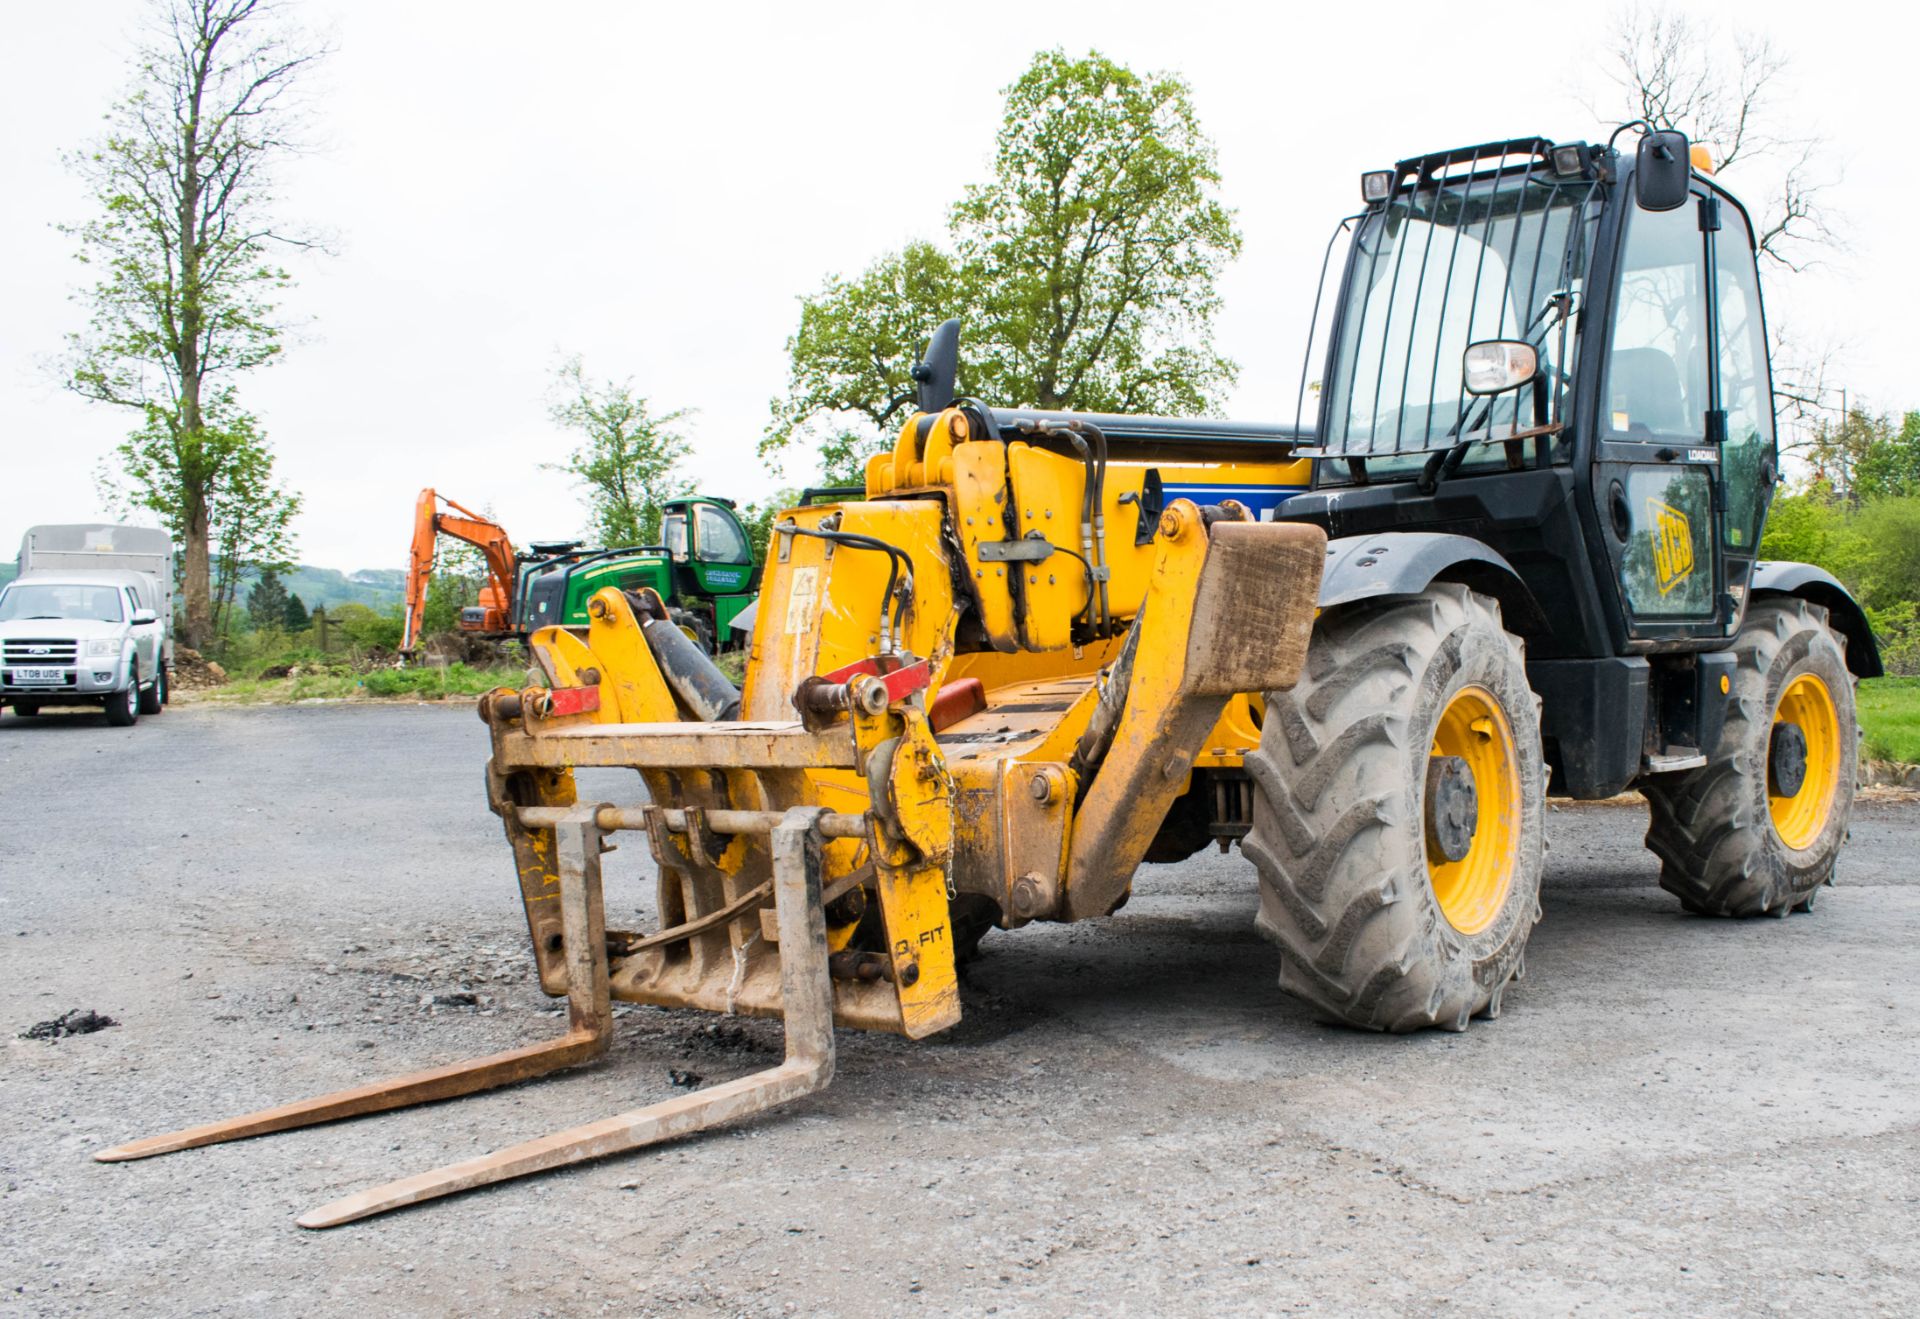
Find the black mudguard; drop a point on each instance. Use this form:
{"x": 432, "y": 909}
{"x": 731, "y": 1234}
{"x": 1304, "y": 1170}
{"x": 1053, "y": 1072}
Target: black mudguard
{"x": 1408, "y": 562}
{"x": 1818, "y": 586}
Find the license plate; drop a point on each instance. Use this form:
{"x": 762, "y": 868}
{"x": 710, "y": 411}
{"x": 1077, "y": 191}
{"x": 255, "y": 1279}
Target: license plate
{"x": 39, "y": 675}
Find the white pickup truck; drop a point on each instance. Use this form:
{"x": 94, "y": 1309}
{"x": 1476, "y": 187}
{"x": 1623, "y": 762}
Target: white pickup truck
{"x": 89, "y": 621}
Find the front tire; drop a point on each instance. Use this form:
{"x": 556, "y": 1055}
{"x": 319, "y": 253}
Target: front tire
{"x": 1390, "y": 916}
{"x": 26, "y": 709}
{"x": 1758, "y": 829}
{"x": 123, "y": 707}
{"x": 155, "y": 696}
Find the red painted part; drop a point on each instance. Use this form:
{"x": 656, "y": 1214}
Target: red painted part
{"x": 956, "y": 701}
{"x": 901, "y": 682}
{"x": 573, "y": 700}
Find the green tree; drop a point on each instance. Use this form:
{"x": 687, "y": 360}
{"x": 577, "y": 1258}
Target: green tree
{"x": 248, "y": 517}
{"x": 1085, "y": 269}
{"x": 267, "y": 603}
{"x": 297, "y": 618}
{"x": 627, "y": 457}
{"x": 183, "y": 250}
{"x": 1891, "y": 463}
{"x": 1803, "y": 527}
{"x": 757, "y": 519}
{"x": 459, "y": 570}
{"x": 1843, "y": 454}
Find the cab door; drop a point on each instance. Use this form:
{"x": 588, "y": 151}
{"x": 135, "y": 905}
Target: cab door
{"x": 1743, "y": 390}
{"x": 1657, "y": 470}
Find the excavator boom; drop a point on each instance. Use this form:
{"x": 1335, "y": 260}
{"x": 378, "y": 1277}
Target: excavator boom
{"x": 463, "y": 524}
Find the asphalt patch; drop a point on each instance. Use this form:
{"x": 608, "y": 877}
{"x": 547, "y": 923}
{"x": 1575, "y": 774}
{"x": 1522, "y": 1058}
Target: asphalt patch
{"x": 80, "y": 1021}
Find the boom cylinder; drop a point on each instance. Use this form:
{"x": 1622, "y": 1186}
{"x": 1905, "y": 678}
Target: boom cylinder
{"x": 696, "y": 681}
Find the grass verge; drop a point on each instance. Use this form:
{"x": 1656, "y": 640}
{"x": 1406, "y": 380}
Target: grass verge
{"x": 1890, "y": 719}
{"x": 426, "y": 683}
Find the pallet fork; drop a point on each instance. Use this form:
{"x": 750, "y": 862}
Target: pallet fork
{"x": 795, "y": 837}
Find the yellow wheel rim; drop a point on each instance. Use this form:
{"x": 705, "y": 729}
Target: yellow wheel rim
{"x": 1801, "y": 818}
{"x": 1470, "y": 891}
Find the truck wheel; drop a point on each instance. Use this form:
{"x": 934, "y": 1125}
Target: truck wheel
{"x": 1398, "y": 814}
{"x": 123, "y": 708}
{"x": 1759, "y": 827}
{"x": 155, "y": 695}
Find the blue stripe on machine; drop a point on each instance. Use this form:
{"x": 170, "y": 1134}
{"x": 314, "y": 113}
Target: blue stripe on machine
{"x": 1261, "y": 500}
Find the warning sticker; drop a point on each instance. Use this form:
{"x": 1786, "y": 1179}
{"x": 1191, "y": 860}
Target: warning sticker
{"x": 802, "y": 601}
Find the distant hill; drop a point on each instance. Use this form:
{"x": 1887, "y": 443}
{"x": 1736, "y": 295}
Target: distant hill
{"x": 376, "y": 588}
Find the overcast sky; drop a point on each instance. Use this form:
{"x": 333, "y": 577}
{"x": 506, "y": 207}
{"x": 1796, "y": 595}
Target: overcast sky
{"x": 654, "y": 185}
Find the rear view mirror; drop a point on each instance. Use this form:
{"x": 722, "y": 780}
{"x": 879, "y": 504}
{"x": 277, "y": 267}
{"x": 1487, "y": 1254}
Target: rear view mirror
{"x": 145, "y": 616}
{"x": 1662, "y": 171}
{"x": 1493, "y": 366}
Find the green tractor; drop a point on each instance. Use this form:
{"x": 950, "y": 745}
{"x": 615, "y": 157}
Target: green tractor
{"x": 704, "y": 572}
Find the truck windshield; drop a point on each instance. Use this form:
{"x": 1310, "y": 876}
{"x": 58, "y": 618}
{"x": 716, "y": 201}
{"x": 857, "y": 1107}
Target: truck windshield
{"x": 1440, "y": 266}
{"x": 52, "y": 600}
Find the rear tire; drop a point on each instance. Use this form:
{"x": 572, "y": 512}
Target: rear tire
{"x": 123, "y": 707}
{"x": 1728, "y": 845}
{"x": 1376, "y": 928}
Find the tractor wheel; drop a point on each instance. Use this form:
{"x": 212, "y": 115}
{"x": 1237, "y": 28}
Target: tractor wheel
{"x": 1758, "y": 829}
{"x": 1398, "y": 814}
{"x": 694, "y": 627}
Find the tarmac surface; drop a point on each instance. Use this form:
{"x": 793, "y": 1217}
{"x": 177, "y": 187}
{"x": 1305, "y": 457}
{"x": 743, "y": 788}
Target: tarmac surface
{"x": 1674, "y": 1115}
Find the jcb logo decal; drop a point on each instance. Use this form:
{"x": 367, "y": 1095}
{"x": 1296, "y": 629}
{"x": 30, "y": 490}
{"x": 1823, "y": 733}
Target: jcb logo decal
{"x": 1672, "y": 537}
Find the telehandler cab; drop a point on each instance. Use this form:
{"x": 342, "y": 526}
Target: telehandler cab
{"x": 1515, "y": 554}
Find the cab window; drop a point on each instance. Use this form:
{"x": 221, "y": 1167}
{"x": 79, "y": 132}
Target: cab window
{"x": 1746, "y": 392}
{"x": 673, "y": 530}
{"x": 1657, "y": 370}
{"x": 720, "y": 538}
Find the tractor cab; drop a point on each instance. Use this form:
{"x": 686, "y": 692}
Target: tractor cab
{"x": 1546, "y": 377}
{"x": 1559, "y": 350}
{"x": 709, "y": 547}
{"x": 714, "y": 574}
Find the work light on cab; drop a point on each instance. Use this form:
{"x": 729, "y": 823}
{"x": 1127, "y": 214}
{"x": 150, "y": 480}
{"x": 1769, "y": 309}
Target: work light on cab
{"x": 1570, "y": 160}
{"x": 1376, "y": 186}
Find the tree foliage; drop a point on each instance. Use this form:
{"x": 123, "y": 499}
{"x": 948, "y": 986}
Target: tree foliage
{"x": 1085, "y": 270}
{"x": 627, "y": 459}
{"x": 297, "y": 619}
{"x": 183, "y": 250}
{"x": 267, "y": 603}
{"x": 1863, "y": 456}
{"x": 247, "y": 517}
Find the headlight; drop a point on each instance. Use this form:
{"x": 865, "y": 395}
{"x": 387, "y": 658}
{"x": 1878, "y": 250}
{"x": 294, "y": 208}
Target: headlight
{"x": 103, "y": 647}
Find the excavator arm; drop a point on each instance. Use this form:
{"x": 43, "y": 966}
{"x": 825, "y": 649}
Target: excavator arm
{"x": 429, "y": 524}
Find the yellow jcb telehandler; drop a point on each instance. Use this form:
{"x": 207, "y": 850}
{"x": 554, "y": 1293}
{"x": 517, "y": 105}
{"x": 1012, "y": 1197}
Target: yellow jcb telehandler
{"x": 1516, "y": 554}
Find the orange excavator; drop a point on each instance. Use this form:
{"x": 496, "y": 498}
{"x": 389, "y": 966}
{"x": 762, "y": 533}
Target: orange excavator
{"x": 493, "y": 615}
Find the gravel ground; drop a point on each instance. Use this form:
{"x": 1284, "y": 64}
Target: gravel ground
{"x": 1674, "y": 1115}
